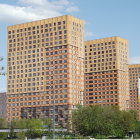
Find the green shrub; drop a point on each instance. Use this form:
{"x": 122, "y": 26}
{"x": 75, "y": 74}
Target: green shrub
{"x": 3, "y": 136}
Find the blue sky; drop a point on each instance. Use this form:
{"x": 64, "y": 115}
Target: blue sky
{"x": 103, "y": 18}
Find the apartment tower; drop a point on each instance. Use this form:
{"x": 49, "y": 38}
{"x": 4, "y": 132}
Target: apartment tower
{"x": 45, "y": 67}
{"x": 106, "y": 72}
{"x": 134, "y": 76}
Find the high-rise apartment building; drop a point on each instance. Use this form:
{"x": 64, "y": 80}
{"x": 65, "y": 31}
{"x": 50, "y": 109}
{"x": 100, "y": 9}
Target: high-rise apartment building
{"x": 134, "y": 76}
{"x": 45, "y": 66}
{"x": 106, "y": 72}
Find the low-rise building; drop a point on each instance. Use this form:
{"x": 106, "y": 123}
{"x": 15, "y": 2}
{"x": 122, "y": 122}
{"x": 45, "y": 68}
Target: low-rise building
{"x": 2, "y": 104}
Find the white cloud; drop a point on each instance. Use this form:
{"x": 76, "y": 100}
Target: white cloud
{"x": 90, "y": 34}
{"x": 2, "y": 90}
{"x": 72, "y": 9}
{"x": 62, "y": 2}
{"x": 32, "y": 2}
{"x": 29, "y": 10}
{"x": 134, "y": 60}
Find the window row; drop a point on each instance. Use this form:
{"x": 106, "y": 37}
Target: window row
{"x": 102, "y": 68}
{"x": 100, "y": 89}
{"x": 34, "y": 93}
{"x": 37, "y": 98}
{"x": 104, "y": 101}
{"x": 101, "y": 44}
{"x": 102, "y": 97}
{"x": 36, "y": 33}
{"x": 38, "y": 27}
{"x": 37, "y": 103}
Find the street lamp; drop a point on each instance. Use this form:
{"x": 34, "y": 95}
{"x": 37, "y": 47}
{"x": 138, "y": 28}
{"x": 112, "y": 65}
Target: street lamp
{"x": 51, "y": 87}
{"x": 81, "y": 92}
{"x": 53, "y": 116}
{"x": 82, "y": 97}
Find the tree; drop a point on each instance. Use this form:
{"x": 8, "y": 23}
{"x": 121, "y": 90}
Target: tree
{"x": 33, "y": 126}
{"x": 138, "y": 128}
{"x": 2, "y": 72}
{"x": 12, "y": 127}
{"x": 47, "y": 123}
{"x": 102, "y": 121}
{"x": 2, "y": 123}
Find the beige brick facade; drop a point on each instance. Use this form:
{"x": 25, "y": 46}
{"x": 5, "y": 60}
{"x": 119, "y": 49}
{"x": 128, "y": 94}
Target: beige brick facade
{"x": 45, "y": 63}
{"x": 134, "y": 76}
{"x": 106, "y": 72}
